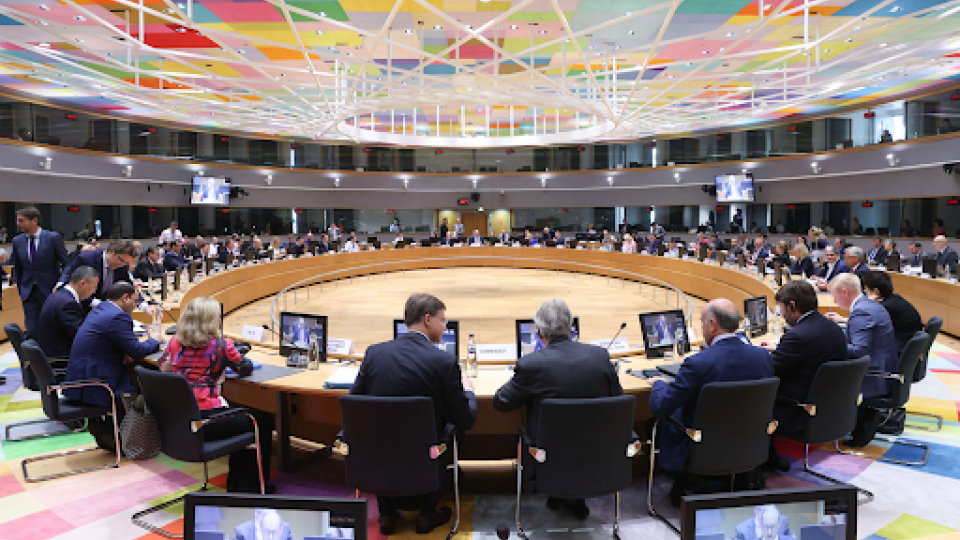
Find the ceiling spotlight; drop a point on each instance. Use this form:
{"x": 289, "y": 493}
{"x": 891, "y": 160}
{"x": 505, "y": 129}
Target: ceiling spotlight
{"x": 514, "y": 27}
{"x": 893, "y": 160}
{"x": 200, "y": 173}
{"x": 610, "y": 180}
{"x": 127, "y": 171}
{"x": 677, "y": 178}
{"x": 336, "y": 182}
{"x": 46, "y": 163}
{"x": 437, "y": 27}
{"x": 543, "y": 182}
{"x": 474, "y": 183}
{"x": 815, "y": 166}
{"x": 706, "y": 52}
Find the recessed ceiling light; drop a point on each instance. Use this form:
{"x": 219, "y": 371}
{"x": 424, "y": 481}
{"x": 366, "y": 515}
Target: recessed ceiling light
{"x": 630, "y": 32}
{"x": 646, "y": 87}
{"x": 514, "y": 27}
{"x": 437, "y": 27}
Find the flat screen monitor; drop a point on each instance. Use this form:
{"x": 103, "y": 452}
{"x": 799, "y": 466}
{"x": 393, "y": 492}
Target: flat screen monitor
{"x": 224, "y": 516}
{"x": 450, "y": 342}
{"x": 528, "y": 340}
{"x": 755, "y": 310}
{"x": 734, "y": 187}
{"x": 210, "y": 190}
{"x": 811, "y": 513}
{"x": 893, "y": 262}
{"x": 661, "y": 329}
{"x": 297, "y": 329}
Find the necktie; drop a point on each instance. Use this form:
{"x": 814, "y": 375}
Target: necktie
{"x": 33, "y": 248}
{"x": 108, "y": 278}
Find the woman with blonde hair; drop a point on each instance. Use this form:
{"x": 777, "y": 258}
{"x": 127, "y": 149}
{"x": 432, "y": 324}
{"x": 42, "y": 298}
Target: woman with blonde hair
{"x": 803, "y": 265}
{"x": 201, "y": 354}
{"x": 629, "y": 245}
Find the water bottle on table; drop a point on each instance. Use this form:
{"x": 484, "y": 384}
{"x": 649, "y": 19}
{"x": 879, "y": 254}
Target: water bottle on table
{"x": 472, "y": 368}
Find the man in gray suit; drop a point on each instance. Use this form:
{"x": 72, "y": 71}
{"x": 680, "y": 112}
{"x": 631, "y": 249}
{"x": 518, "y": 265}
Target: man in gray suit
{"x": 766, "y": 524}
{"x": 869, "y": 332}
{"x": 265, "y": 525}
{"x": 564, "y": 369}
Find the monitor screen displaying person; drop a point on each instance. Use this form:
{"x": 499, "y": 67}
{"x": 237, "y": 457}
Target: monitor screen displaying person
{"x": 755, "y": 310}
{"x": 223, "y": 523}
{"x": 809, "y": 520}
{"x": 298, "y": 331}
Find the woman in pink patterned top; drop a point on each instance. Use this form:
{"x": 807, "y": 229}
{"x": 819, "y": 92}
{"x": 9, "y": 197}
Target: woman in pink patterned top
{"x": 201, "y": 354}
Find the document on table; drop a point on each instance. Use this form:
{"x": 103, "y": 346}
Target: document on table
{"x": 342, "y": 378}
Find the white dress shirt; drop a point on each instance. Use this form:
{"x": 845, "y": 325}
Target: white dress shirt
{"x": 169, "y": 236}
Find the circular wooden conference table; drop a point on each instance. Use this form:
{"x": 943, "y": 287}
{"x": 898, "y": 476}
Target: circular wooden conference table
{"x": 307, "y": 410}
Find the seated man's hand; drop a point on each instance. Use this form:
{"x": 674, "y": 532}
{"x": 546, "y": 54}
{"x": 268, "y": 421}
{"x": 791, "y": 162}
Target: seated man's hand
{"x": 835, "y": 317}
{"x": 653, "y": 380}
{"x": 467, "y": 383}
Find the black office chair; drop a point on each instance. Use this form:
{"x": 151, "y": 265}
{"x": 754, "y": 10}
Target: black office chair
{"x": 16, "y": 336}
{"x": 391, "y": 447}
{"x": 174, "y": 407}
{"x": 932, "y": 329}
{"x": 830, "y": 409}
{"x": 64, "y": 410}
{"x": 898, "y": 397}
{"x": 584, "y": 449}
{"x": 731, "y": 432}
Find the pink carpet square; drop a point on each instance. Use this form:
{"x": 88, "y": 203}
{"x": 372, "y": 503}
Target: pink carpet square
{"x": 9, "y": 485}
{"x": 36, "y": 526}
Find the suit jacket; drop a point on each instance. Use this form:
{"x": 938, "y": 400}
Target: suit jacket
{"x": 103, "y": 340}
{"x": 802, "y": 349}
{"x": 94, "y": 259}
{"x": 913, "y": 259}
{"x": 563, "y": 369}
{"x": 839, "y": 268}
{"x": 173, "y": 260}
{"x": 870, "y": 332}
{"x": 412, "y": 366}
{"x": 726, "y": 360}
{"x": 476, "y": 240}
{"x": 748, "y": 529}
{"x": 947, "y": 259}
{"x": 147, "y": 270}
{"x": 860, "y": 270}
{"x": 247, "y": 531}
{"x": 803, "y": 267}
{"x": 878, "y": 255}
{"x": 759, "y": 255}
{"x": 904, "y": 317}
{"x": 59, "y": 321}
{"x": 42, "y": 272}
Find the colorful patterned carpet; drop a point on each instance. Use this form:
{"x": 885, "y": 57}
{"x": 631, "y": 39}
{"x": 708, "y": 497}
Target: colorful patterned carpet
{"x": 911, "y": 502}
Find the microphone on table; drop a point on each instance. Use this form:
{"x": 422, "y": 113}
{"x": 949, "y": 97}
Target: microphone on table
{"x": 173, "y": 329}
{"x": 503, "y": 531}
{"x": 267, "y": 328}
{"x": 622, "y": 326}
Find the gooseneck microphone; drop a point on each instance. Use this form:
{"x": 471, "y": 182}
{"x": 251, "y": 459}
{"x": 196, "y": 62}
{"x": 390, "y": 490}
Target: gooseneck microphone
{"x": 503, "y": 531}
{"x": 267, "y": 328}
{"x": 622, "y": 326}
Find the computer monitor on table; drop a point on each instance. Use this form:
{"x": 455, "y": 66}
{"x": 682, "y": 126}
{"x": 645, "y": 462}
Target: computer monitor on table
{"x": 528, "y": 340}
{"x": 893, "y": 262}
{"x": 449, "y": 342}
{"x": 219, "y": 516}
{"x": 809, "y": 513}
{"x": 661, "y": 329}
{"x": 297, "y": 330}
{"x": 755, "y": 311}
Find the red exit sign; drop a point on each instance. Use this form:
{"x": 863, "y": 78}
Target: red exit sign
{"x": 71, "y": 117}
{"x": 953, "y": 201}
{"x": 867, "y": 205}
{"x": 463, "y": 202}
{"x": 73, "y": 209}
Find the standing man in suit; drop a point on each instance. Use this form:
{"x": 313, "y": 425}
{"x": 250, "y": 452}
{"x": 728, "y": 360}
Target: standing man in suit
{"x": 869, "y": 332}
{"x": 102, "y": 350}
{"x": 62, "y": 313}
{"x": 170, "y": 234}
{"x": 444, "y": 228}
{"x": 412, "y": 365}
{"x": 726, "y": 359}
{"x": 149, "y": 267}
{"x": 664, "y": 332}
{"x": 946, "y": 256}
{"x": 563, "y": 369}
{"x": 811, "y": 340}
{"x": 38, "y": 257}
{"x": 112, "y": 265}
{"x": 832, "y": 267}
{"x": 878, "y": 253}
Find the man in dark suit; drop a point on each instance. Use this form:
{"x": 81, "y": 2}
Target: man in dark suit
{"x": 760, "y": 251}
{"x": 726, "y": 359}
{"x": 652, "y": 244}
{"x": 412, "y": 365}
{"x": 878, "y": 253}
{"x": 563, "y": 369}
{"x": 149, "y": 267}
{"x": 811, "y": 340}
{"x": 946, "y": 256}
{"x": 323, "y": 245}
{"x": 856, "y": 260}
{"x": 112, "y": 265}
{"x": 832, "y": 267}
{"x": 735, "y": 248}
{"x": 62, "y": 313}
{"x": 915, "y": 258}
{"x": 870, "y": 333}
{"x": 101, "y": 350}
{"x": 38, "y": 257}
{"x": 173, "y": 259}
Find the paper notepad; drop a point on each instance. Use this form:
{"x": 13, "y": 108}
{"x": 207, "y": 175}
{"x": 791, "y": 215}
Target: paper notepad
{"x": 342, "y": 378}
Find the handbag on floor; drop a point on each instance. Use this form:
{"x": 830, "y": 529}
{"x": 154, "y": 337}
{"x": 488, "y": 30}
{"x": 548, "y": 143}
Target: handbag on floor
{"x": 139, "y": 433}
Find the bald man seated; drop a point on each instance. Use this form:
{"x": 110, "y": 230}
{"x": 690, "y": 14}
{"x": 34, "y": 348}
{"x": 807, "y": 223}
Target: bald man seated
{"x": 726, "y": 359}
{"x": 266, "y": 525}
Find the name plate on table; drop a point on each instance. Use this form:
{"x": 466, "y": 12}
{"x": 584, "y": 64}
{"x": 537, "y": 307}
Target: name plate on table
{"x": 504, "y": 351}
{"x": 560, "y": 246}
{"x": 252, "y": 333}
{"x": 339, "y": 346}
{"x": 619, "y": 345}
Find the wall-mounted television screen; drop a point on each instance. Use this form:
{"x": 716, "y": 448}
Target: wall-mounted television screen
{"x": 734, "y": 187}
{"x": 213, "y": 190}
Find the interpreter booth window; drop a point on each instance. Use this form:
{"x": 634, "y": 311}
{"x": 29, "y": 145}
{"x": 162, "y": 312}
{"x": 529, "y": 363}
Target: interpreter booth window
{"x": 563, "y": 219}
{"x": 393, "y": 221}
